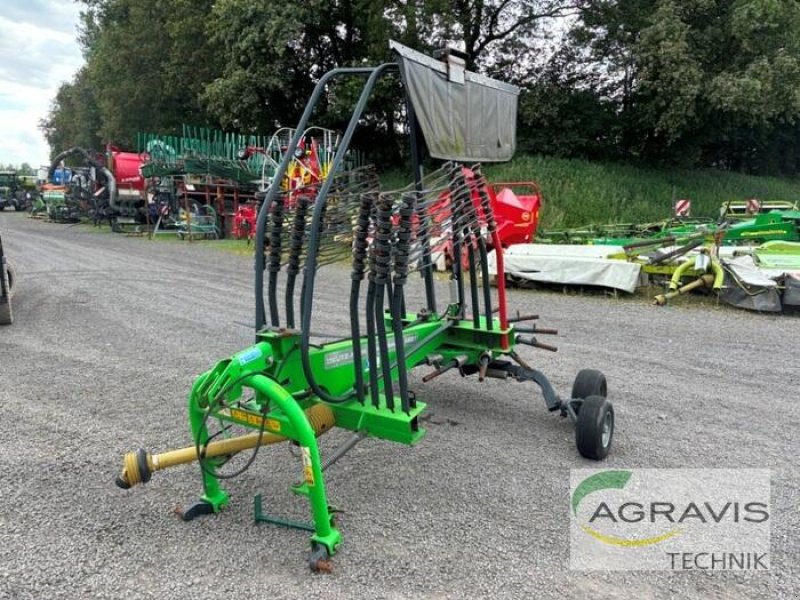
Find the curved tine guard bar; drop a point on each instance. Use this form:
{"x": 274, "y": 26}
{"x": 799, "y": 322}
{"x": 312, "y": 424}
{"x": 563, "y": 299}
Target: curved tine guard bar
{"x": 283, "y": 168}
{"x": 313, "y": 242}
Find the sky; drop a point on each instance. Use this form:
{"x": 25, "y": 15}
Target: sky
{"x": 38, "y": 52}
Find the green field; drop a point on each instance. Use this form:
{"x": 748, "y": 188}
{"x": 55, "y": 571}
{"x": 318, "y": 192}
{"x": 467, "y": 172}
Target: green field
{"x": 578, "y": 192}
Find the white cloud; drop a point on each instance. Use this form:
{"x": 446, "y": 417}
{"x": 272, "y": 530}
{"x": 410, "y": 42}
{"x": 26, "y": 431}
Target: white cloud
{"x": 38, "y": 52}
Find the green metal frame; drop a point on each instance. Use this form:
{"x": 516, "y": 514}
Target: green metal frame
{"x": 273, "y": 371}
{"x": 271, "y": 386}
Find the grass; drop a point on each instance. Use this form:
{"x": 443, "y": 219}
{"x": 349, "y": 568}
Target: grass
{"x": 578, "y": 192}
{"x": 232, "y": 246}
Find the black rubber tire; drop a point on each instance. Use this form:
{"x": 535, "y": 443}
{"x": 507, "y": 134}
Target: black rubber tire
{"x": 594, "y": 415}
{"x": 589, "y": 382}
{"x": 6, "y": 315}
{"x": 12, "y": 277}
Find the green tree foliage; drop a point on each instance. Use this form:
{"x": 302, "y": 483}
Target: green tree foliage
{"x": 270, "y": 52}
{"x": 74, "y": 117}
{"x": 24, "y": 169}
{"x": 689, "y": 82}
{"x": 249, "y": 65}
{"x": 273, "y": 52}
{"x": 147, "y": 63}
{"x": 710, "y": 82}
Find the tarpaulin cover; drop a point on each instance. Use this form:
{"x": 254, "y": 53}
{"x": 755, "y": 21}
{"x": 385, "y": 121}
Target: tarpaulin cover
{"x": 569, "y": 265}
{"x": 471, "y": 121}
{"x": 791, "y": 294}
{"x": 747, "y": 286}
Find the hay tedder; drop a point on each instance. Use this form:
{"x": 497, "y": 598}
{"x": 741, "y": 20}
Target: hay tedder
{"x": 289, "y": 386}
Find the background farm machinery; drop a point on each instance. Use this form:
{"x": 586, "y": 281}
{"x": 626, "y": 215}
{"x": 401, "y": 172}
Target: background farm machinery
{"x": 7, "y": 276}
{"x": 737, "y": 229}
{"x": 207, "y": 184}
{"x": 749, "y": 256}
{"x": 104, "y": 189}
{"x": 13, "y": 191}
{"x": 215, "y": 174}
{"x": 292, "y": 386}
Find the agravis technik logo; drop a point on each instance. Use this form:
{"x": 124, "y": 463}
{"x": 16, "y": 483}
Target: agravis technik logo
{"x": 670, "y": 519}
{"x": 612, "y": 480}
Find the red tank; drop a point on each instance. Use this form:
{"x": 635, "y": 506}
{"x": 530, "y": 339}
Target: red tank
{"x": 127, "y": 168}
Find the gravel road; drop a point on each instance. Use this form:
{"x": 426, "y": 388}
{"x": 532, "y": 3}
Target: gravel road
{"x": 110, "y": 331}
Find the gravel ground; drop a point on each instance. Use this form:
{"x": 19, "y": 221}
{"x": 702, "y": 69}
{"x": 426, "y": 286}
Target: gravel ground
{"x": 109, "y": 332}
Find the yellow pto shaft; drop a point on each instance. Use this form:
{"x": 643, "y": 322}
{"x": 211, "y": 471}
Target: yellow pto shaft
{"x": 706, "y": 280}
{"x": 139, "y": 466}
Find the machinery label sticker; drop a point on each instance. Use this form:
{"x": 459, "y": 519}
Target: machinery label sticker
{"x": 250, "y": 355}
{"x": 344, "y": 357}
{"x": 308, "y": 471}
{"x": 255, "y": 420}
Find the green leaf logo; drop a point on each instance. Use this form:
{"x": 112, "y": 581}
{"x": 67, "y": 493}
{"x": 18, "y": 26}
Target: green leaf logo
{"x": 599, "y": 481}
{"x": 611, "y": 480}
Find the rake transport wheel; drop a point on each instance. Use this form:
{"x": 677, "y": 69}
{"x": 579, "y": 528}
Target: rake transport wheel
{"x": 589, "y": 382}
{"x": 12, "y": 275}
{"x": 594, "y": 428}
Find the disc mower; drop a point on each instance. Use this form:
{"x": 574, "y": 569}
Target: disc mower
{"x": 290, "y": 387}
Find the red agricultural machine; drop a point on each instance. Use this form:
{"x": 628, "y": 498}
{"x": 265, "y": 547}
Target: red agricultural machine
{"x": 516, "y": 210}
{"x": 516, "y": 214}
{"x": 106, "y": 187}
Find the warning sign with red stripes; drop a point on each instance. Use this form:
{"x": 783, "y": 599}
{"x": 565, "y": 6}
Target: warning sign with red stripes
{"x": 683, "y": 207}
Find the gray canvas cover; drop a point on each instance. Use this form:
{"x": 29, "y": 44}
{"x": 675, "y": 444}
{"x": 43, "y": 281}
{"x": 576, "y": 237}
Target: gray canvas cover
{"x": 791, "y": 293}
{"x": 746, "y": 286}
{"x": 473, "y": 121}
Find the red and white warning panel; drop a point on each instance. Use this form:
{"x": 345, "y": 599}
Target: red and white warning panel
{"x": 683, "y": 207}
{"x": 753, "y": 206}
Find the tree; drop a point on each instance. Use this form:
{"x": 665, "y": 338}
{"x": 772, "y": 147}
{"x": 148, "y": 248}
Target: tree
{"x": 712, "y": 82}
{"x": 486, "y": 27}
{"x": 147, "y": 67}
{"x": 273, "y": 52}
{"x": 669, "y": 82}
{"x": 74, "y": 117}
{"x": 147, "y": 63}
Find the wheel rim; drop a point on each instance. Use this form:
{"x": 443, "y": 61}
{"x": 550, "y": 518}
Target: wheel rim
{"x": 608, "y": 427}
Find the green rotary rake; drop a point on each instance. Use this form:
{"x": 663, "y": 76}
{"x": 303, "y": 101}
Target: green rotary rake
{"x": 290, "y": 387}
